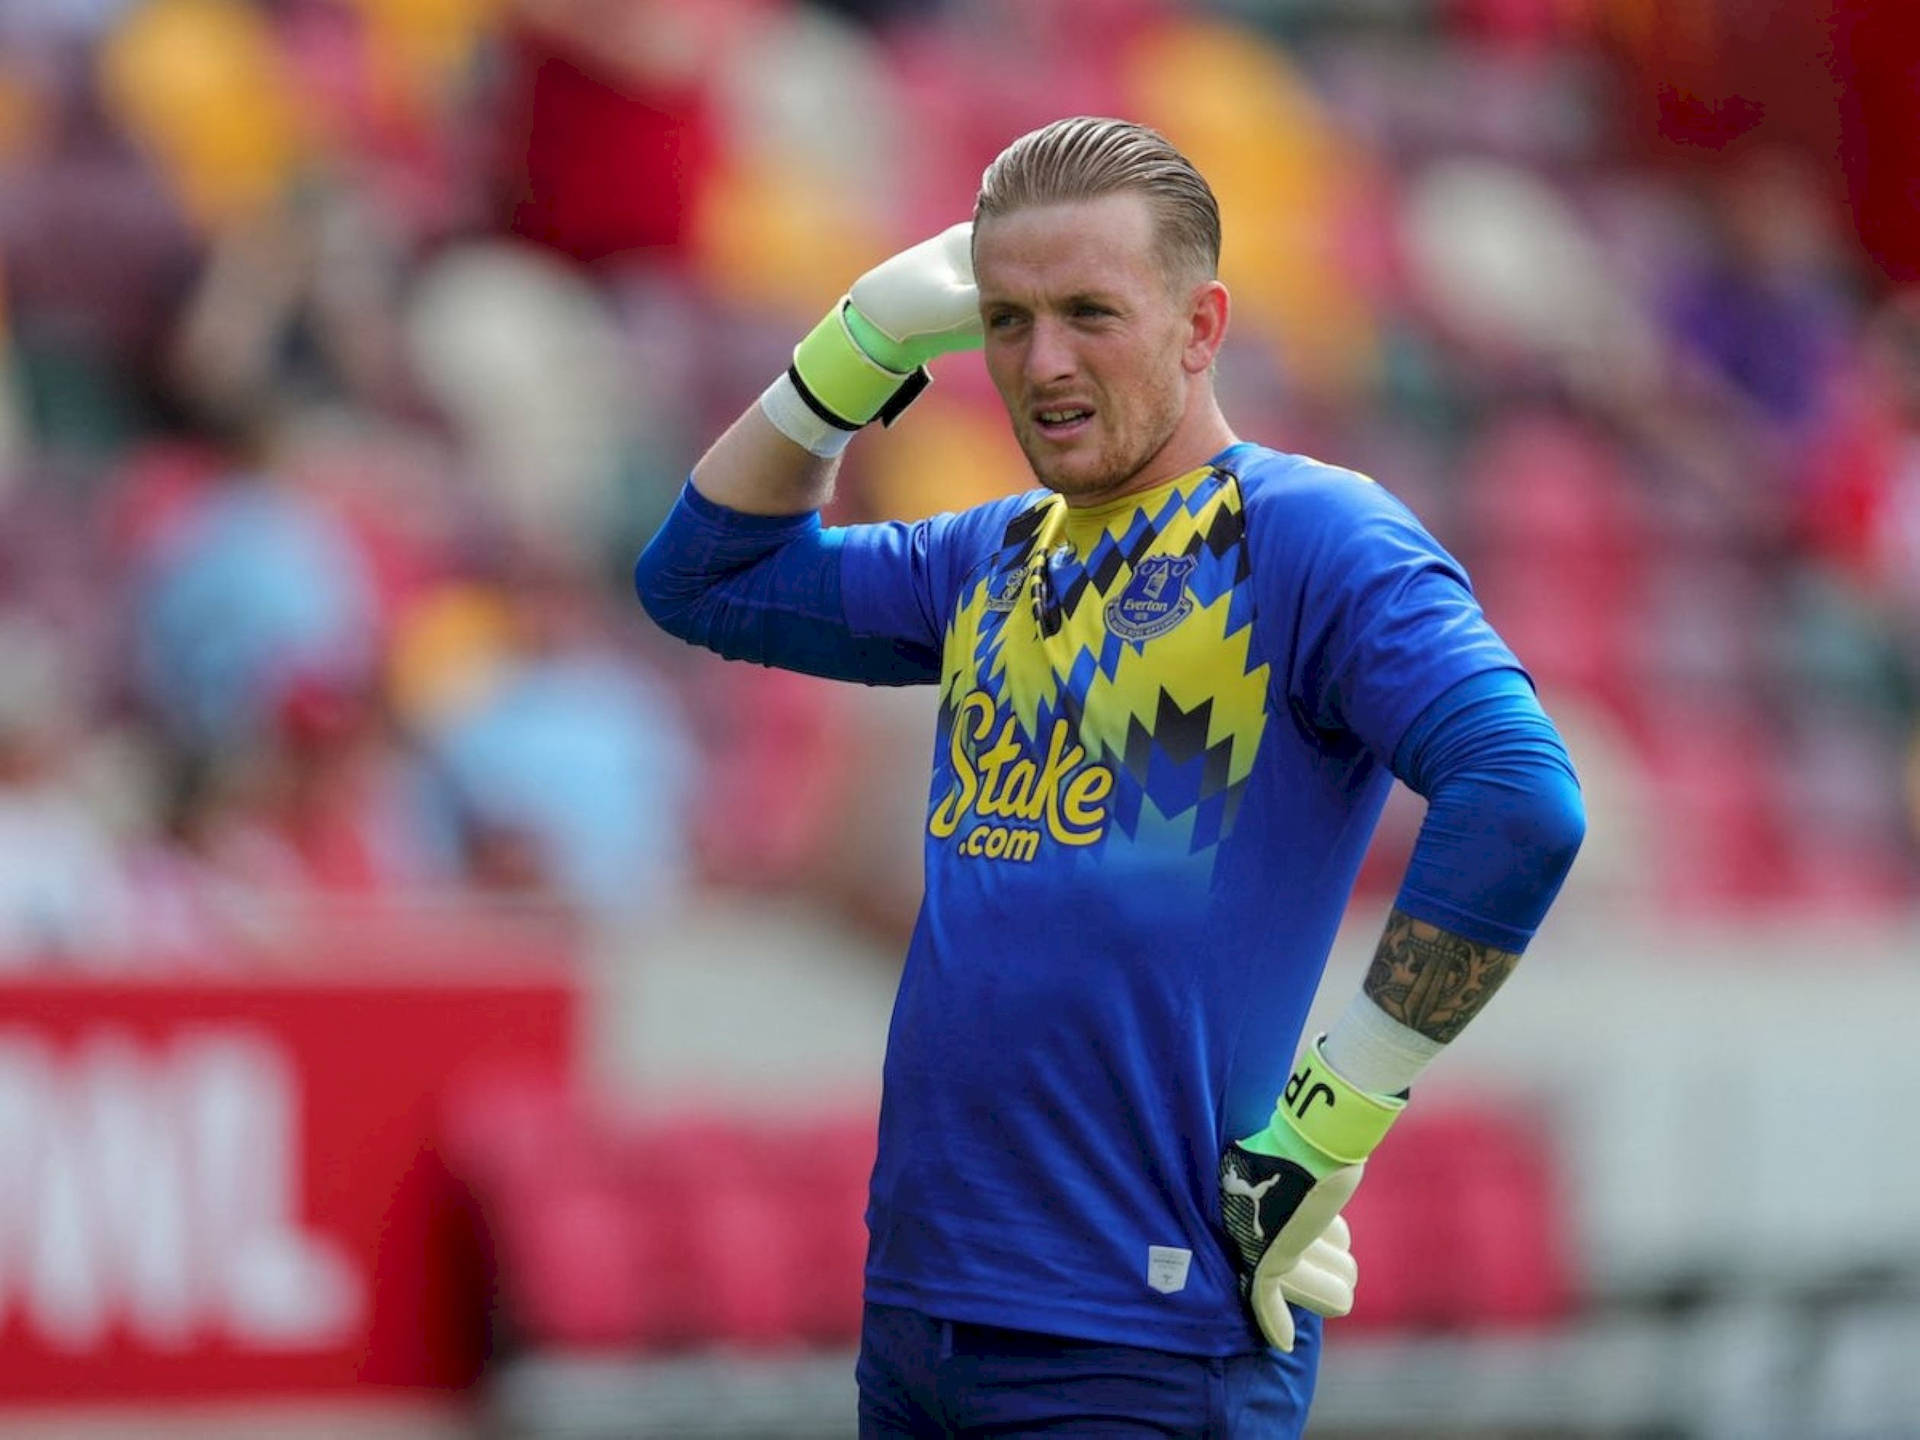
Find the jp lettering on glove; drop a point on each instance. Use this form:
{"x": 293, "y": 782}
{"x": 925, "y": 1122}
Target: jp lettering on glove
{"x": 1282, "y": 1190}
{"x": 866, "y": 360}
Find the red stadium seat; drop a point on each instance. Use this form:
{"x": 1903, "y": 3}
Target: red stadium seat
{"x": 1459, "y": 1226}
{"x": 1540, "y": 486}
{"x": 498, "y": 1130}
{"x": 672, "y": 1173}
{"x": 667, "y": 1232}
{"x": 1386, "y": 1220}
{"x": 824, "y": 1168}
{"x": 571, "y": 1263}
{"x": 564, "y": 1241}
{"x": 767, "y": 1223}
{"x": 1574, "y": 629}
{"x": 1513, "y": 1265}
{"x": 735, "y": 1227}
{"x": 1714, "y": 768}
{"x": 702, "y": 1229}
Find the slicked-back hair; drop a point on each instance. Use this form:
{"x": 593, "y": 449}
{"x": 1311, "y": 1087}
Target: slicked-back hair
{"x": 1087, "y": 157}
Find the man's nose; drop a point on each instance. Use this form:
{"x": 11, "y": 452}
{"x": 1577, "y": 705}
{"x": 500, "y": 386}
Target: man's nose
{"x": 1049, "y": 354}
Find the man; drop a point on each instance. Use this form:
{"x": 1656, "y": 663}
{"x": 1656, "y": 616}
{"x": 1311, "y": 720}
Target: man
{"x": 1176, "y": 682}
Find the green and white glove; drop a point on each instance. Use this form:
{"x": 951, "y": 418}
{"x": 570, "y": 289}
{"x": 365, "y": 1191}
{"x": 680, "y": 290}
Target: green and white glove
{"x": 867, "y": 358}
{"x": 1282, "y": 1190}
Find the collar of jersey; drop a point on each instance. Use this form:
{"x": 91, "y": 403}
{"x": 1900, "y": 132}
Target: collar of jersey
{"x": 1084, "y": 523}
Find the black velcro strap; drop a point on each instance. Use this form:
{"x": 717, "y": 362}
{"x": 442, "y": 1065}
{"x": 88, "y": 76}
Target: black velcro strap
{"x": 815, "y": 404}
{"x": 908, "y": 392}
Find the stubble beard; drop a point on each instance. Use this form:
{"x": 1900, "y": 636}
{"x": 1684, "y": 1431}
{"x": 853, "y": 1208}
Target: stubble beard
{"x": 1117, "y": 465}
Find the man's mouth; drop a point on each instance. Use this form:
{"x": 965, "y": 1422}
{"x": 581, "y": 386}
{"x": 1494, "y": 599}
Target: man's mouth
{"x": 1061, "y": 419}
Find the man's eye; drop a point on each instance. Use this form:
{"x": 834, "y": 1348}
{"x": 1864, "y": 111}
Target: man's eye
{"x": 1001, "y": 320}
{"x": 1089, "y": 311}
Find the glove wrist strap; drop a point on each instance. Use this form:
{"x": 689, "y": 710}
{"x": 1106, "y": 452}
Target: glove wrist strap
{"x": 789, "y": 412}
{"x": 844, "y": 384}
{"x": 1333, "y": 1118}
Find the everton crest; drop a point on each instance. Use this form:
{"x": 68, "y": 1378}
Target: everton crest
{"x": 1155, "y": 599}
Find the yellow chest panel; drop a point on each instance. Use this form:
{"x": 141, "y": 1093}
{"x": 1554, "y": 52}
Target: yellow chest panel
{"x": 1118, "y": 640}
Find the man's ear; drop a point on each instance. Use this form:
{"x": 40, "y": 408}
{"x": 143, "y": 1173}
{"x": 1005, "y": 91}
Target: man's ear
{"x": 1206, "y": 326}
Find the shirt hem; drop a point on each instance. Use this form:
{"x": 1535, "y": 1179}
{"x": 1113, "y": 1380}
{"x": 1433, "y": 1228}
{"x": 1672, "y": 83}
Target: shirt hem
{"x": 1104, "y": 1324}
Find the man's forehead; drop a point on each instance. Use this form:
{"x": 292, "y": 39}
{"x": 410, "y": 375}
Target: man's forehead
{"x": 1119, "y": 212}
{"x": 1109, "y": 232}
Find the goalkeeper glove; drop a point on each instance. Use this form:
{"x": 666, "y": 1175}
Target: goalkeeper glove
{"x": 867, "y": 358}
{"x": 1281, "y": 1192}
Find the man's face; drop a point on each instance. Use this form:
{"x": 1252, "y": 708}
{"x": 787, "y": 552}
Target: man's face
{"x": 1088, "y": 341}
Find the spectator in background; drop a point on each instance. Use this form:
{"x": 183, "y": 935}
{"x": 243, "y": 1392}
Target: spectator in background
{"x": 1861, "y": 505}
{"x": 1766, "y": 308}
{"x": 252, "y": 589}
{"x": 602, "y": 89}
{"x": 1859, "y": 519}
{"x": 95, "y": 255}
{"x": 556, "y": 767}
{"x": 522, "y": 359}
{"x": 368, "y": 249}
{"x": 62, "y": 900}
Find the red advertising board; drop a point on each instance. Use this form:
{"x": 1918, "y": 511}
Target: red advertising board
{"x": 213, "y": 1190}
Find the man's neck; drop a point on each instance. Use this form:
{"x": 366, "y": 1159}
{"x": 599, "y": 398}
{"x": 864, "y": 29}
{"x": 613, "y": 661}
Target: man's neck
{"x": 1198, "y": 439}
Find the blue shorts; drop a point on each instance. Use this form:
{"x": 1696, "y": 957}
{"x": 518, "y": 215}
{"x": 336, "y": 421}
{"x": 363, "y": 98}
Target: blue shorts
{"x": 925, "y": 1377}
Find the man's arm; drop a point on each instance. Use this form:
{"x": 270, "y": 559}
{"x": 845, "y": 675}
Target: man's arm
{"x": 866, "y": 360}
{"x": 1431, "y": 980}
{"x": 741, "y": 564}
{"x": 1504, "y": 821}
{"x": 755, "y": 469}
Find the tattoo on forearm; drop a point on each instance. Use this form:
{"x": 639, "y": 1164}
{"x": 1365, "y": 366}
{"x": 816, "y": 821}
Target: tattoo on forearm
{"x": 1432, "y": 980}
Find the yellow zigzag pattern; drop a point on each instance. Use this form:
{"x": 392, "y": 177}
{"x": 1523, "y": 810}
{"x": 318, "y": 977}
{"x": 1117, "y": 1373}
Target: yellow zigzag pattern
{"x": 1195, "y": 662}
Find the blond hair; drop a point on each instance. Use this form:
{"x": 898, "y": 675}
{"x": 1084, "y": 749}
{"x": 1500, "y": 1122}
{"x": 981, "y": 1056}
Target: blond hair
{"x": 1087, "y": 157}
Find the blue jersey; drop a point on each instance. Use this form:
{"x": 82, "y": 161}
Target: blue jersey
{"x": 1163, "y": 737}
{"x": 1159, "y": 762}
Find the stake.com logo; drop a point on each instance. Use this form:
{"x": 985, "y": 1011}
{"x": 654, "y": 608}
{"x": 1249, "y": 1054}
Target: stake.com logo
{"x": 1015, "y": 795}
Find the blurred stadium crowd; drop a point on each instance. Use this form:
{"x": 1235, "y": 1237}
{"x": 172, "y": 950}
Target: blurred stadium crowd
{"x": 353, "y": 348}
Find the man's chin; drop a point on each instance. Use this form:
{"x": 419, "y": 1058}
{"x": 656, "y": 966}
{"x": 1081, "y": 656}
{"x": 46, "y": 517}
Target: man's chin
{"x": 1066, "y": 478}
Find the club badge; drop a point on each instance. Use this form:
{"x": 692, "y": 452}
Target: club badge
{"x": 1155, "y": 599}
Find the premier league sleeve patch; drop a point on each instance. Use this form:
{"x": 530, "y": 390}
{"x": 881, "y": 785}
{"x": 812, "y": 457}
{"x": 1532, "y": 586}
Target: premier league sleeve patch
{"x": 1007, "y": 588}
{"x": 1155, "y": 599}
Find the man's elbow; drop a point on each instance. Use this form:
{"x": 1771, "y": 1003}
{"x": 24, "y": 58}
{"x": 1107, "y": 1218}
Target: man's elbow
{"x": 1559, "y": 828}
{"x": 1539, "y": 822}
{"x": 664, "y": 604}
